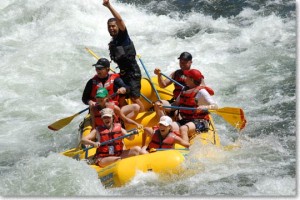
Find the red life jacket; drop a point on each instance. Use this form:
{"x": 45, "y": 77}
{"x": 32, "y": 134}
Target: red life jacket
{"x": 158, "y": 141}
{"x": 103, "y": 134}
{"x": 180, "y": 78}
{"x": 97, "y": 115}
{"x": 109, "y": 85}
{"x": 187, "y": 99}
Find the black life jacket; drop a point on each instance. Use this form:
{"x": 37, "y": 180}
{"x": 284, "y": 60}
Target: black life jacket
{"x": 180, "y": 78}
{"x": 123, "y": 53}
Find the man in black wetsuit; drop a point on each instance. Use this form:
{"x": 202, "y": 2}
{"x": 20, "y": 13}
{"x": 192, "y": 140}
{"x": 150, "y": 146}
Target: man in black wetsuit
{"x": 122, "y": 52}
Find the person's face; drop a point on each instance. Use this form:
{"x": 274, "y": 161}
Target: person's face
{"x": 185, "y": 64}
{"x": 102, "y": 72}
{"x": 164, "y": 130}
{"x": 113, "y": 28}
{"x": 101, "y": 101}
{"x": 107, "y": 121}
{"x": 189, "y": 82}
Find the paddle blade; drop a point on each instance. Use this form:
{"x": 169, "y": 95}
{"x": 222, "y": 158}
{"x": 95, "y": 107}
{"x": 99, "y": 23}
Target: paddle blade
{"x": 234, "y": 116}
{"x": 61, "y": 123}
{"x": 75, "y": 151}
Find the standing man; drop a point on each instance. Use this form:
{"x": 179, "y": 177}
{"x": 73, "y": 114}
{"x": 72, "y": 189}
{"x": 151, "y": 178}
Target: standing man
{"x": 122, "y": 52}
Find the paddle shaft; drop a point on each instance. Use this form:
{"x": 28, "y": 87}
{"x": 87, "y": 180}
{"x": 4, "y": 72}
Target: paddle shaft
{"x": 92, "y": 53}
{"x": 148, "y": 100}
{"x": 158, "y": 97}
{"x": 180, "y": 107}
{"x": 65, "y": 121}
{"x": 82, "y": 111}
{"x": 234, "y": 116}
{"x": 97, "y": 57}
{"x": 172, "y": 80}
{"x": 134, "y": 132}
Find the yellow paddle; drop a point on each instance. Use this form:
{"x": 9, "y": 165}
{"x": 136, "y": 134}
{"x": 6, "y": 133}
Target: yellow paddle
{"x": 65, "y": 121}
{"x": 234, "y": 116}
{"x": 75, "y": 151}
{"x": 97, "y": 57}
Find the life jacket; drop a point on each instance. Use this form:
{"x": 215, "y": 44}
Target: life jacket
{"x": 109, "y": 85}
{"x": 180, "y": 78}
{"x": 123, "y": 53}
{"x": 120, "y": 52}
{"x": 158, "y": 142}
{"x": 187, "y": 99}
{"x": 97, "y": 116}
{"x": 103, "y": 134}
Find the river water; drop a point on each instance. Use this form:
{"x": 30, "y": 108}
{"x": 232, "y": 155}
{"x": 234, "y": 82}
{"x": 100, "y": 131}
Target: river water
{"x": 246, "y": 50}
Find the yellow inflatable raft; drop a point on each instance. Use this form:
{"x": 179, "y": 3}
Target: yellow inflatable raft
{"x": 161, "y": 161}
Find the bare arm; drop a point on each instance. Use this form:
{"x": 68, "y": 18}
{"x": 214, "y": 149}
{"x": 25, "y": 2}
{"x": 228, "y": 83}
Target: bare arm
{"x": 118, "y": 17}
{"x": 205, "y": 101}
{"x": 86, "y": 99}
{"x": 89, "y": 138}
{"x": 147, "y": 131}
{"x": 182, "y": 142}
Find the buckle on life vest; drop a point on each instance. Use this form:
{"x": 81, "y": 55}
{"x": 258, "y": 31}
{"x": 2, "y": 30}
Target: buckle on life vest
{"x": 201, "y": 125}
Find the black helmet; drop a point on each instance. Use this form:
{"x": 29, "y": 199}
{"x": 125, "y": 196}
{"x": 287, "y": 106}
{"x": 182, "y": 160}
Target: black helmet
{"x": 102, "y": 62}
{"x": 185, "y": 56}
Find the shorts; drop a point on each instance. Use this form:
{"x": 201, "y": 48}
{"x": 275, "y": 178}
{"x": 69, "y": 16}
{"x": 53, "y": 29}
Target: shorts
{"x": 201, "y": 125}
{"x": 134, "y": 82}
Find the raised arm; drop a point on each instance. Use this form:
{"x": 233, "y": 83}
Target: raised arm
{"x": 162, "y": 82}
{"x": 116, "y": 15}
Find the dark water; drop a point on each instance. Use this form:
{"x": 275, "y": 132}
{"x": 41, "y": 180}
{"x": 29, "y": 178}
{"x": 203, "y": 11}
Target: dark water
{"x": 216, "y": 8}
